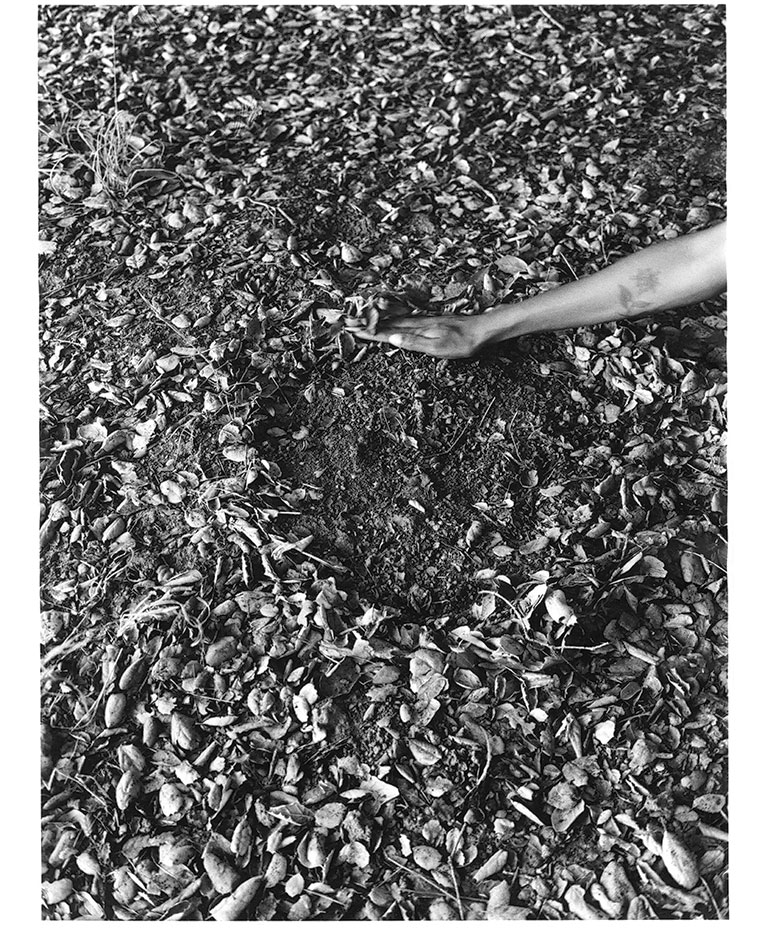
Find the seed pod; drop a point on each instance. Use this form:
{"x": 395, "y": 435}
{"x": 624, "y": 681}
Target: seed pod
{"x": 492, "y": 866}
{"x": 301, "y": 708}
{"x": 127, "y": 790}
{"x": 184, "y": 735}
{"x": 424, "y": 754}
{"x": 612, "y": 909}
{"x": 222, "y": 874}
{"x": 150, "y": 731}
{"x": 231, "y": 908}
{"x": 127, "y": 245}
{"x": 57, "y": 891}
{"x": 275, "y": 872}
{"x": 211, "y": 402}
{"x": 130, "y": 759}
{"x": 578, "y": 904}
{"x": 64, "y": 849}
{"x": 557, "y": 606}
{"x": 48, "y": 531}
{"x": 316, "y": 855}
{"x": 114, "y": 529}
{"x": 616, "y": 882}
{"x": 88, "y": 864}
{"x": 295, "y": 886}
{"x": 172, "y": 800}
{"x": 133, "y": 675}
{"x": 474, "y": 532}
{"x": 123, "y": 887}
{"x": 679, "y": 861}
{"x": 115, "y": 709}
{"x": 242, "y": 838}
{"x": 221, "y": 651}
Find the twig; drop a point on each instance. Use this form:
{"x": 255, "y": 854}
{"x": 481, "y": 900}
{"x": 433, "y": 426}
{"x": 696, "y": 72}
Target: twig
{"x": 483, "y": 775}
{"x": 584, "y": 647}
{"x": 519, "y": 51}
{"x": 420, "y": 876}
{"x": 551, "y": 18}
{"x": 712, "y": 899}
{"x": 456, "y": 889}
{"x": 575, "y": 275}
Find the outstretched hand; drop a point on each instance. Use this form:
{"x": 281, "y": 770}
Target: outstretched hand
{"x": 439, "y": 336}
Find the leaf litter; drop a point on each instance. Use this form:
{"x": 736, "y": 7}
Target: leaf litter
{"x": 331, "y": 632}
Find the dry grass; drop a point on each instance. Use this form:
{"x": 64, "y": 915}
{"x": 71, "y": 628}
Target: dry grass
{"x": 120, "y": 159}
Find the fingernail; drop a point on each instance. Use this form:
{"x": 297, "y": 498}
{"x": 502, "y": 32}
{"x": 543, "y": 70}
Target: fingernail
{"x": 396, "y": 339}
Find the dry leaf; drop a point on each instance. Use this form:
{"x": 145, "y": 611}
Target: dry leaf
{"x": 510, "y": 264}
{"x": 426, "y": 857}
{"x": 424, "y": 754}
{"x": 679, "y": 861}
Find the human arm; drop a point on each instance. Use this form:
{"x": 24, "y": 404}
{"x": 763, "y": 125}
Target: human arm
{"x": 667, "y": 275}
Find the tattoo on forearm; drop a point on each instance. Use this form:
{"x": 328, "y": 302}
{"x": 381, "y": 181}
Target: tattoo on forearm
{"x": 646, "y": 280}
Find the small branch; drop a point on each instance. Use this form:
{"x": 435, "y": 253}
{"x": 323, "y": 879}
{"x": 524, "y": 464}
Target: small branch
{"x": 551, "y": 18}
{"x": 456, "y": 892}
{"x": 575, "y": 275}
{"x": 519, "y": 51}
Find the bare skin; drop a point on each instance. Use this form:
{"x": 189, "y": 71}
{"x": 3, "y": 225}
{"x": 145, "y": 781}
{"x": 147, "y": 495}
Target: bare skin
{"x": 667, "y": 275}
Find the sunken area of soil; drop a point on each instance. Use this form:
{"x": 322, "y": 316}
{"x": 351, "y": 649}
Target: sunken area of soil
{"x": 399, "y": 458}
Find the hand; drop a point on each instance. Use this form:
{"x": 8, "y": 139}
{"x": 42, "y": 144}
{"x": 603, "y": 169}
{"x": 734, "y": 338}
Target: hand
{"x": 439, "y": 336}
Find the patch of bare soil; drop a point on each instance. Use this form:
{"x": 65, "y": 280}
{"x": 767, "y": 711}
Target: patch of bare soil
{"x": 399, "y": 456}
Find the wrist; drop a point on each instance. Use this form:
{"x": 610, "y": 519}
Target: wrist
{"x": 501, "y": 323}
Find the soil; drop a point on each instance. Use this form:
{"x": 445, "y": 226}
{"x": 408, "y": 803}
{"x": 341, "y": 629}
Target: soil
{"x": 400, "y": 455}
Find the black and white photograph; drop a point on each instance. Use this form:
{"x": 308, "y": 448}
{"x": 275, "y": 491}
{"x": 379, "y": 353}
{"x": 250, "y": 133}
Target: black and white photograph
{"x": 383, "y": 493}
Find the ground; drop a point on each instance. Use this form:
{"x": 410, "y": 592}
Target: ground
{"x": 334, "y": 631}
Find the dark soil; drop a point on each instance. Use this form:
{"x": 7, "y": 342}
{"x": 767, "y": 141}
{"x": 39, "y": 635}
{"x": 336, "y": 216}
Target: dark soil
{"x": 460, "y": 442}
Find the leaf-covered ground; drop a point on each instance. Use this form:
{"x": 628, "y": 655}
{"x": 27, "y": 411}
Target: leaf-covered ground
{"x": 333, "y": 632}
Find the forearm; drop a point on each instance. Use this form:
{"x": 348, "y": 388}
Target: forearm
{"x": 674, "y": 273}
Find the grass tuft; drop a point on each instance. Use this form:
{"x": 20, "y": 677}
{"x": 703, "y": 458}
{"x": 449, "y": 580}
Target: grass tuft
{"x": 120, "y": 159}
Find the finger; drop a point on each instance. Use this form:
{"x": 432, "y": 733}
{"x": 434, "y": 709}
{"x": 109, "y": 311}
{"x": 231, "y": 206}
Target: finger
{"x": 396, "y": 339}
{"x": 407, "y": 322}
{"x": 371, "y": 336}
{"x": 412, "y": 342}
